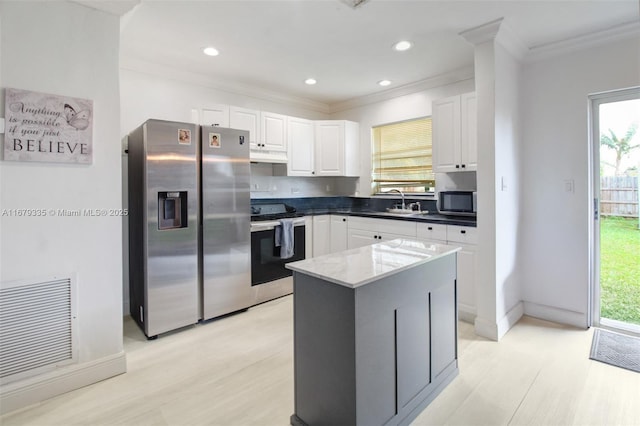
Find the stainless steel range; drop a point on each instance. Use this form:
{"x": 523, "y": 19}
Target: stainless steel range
{"x": 269, "y": 276}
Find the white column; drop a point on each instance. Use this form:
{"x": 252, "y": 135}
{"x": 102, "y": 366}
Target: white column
{"x": 498, "y": 294}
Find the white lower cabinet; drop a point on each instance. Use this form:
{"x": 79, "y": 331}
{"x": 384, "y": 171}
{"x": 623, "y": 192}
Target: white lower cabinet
{"x": 308, "y": 236}
{"x": 334, "y": 233}
{"x": 467, "y": 238}
{"x": 364, "y": 231}
{"x": 321, "y": 235}
{"x": 338, "y": 233}
{"x": 466, "y": 281}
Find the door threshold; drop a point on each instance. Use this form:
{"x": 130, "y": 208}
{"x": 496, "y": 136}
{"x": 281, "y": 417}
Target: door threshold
{"x": 619, "y": 326}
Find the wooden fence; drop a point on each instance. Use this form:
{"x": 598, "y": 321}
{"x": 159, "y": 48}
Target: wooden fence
{"x": 619, "y": 196}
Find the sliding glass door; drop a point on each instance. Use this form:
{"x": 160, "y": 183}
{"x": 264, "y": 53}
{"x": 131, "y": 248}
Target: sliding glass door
{"x": 615, "y": 239}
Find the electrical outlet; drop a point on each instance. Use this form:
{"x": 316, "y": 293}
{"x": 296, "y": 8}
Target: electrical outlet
{"x": 568, "y": 185}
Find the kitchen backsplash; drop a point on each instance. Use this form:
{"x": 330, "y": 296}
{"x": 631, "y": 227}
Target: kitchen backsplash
{"x": 267, "y": 182}
{"x": 322, "y": 204}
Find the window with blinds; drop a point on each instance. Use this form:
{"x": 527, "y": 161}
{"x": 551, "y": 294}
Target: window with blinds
{"x": 402, "y": 157}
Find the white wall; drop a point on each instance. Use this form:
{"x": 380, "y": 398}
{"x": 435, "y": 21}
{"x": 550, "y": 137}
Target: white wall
{"x": 401, "y": 108}
{"x": 554, "y": 223}
{"x": 71, "y": 50}
{"x": 149, "y": 94}
{"x": 507, "y": 186}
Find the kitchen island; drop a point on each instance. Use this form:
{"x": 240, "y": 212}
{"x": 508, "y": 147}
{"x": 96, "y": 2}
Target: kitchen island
{"x": 375, "y": 332}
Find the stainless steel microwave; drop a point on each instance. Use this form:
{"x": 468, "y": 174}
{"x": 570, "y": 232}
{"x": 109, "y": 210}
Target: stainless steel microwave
{"x": 462, "y": 203}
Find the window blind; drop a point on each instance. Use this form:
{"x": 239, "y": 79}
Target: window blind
{"x": 402, "y": 156}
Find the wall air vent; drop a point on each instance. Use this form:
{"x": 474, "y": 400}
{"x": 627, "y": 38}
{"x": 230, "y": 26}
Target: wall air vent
{"x": 37, "y": 327}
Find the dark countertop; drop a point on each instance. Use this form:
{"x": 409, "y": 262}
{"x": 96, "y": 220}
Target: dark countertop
{"x": 418, "y": 217}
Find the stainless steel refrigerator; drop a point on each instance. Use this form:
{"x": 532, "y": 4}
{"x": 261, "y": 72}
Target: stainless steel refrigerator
{"x": 189, "y": 224}
{"x": 163, "y": 225}
{"x": 225, "y": 252}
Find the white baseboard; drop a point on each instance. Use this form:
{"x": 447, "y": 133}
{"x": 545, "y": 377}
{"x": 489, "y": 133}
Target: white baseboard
{"x": 495, "y": 331}
{"x": 562, "y": 316}
{"x": 33, "y": 390}
{"x": 466, "y": 313}
{"x": 510, "y": 319}
{"x": 486, "y": 329}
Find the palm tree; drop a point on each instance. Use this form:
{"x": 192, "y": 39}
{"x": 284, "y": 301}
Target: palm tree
{"x": 622, "y": 146}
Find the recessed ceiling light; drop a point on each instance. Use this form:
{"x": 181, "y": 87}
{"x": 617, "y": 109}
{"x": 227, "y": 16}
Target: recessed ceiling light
{"x": 384, "y": 82}
{"x": 402, "y": 46}
{"x": 310, "y": 81}
{"x": 211, "y": 51}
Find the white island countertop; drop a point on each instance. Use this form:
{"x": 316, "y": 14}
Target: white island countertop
{"x": 356, "y": 267}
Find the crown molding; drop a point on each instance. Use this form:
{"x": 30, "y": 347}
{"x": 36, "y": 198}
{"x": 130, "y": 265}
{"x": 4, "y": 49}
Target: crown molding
{"x": 114, "y": 7}
{"x": 482, "y": 33}
{"x": 511, "y": 41}
{"x": 585, "y": 41}
{"x": 165, "y": 71}
{"x": 451, "y": 77}
{"x": 500, "y": 32}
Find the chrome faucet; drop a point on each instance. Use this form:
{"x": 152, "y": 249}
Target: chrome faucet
{"x": 401, "y": 194}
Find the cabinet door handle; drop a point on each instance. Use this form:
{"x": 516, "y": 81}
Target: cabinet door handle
{"x": 457, "y": 166}
{"x": 344, "y": 219}
{"x": 463, "y": 166}
{"x": 463, "y": 231}
{"x": 313, "y": 173}
{"x": 430, "y": 228}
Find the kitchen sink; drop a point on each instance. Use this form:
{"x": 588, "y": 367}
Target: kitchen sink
{"x": 406, "y": 211}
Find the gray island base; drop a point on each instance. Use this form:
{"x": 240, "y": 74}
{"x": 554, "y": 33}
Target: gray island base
{"x": 375, "y": 333}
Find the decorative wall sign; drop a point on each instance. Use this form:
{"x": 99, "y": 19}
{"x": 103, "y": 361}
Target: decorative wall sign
{"x": 48, "y": 128}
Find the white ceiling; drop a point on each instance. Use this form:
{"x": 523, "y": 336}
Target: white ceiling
{"x": 276, "y": 45}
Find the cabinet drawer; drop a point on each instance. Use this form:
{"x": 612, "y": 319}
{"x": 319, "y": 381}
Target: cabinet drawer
{"x": 363, "y": 223}
{"x": 383, "y": 226}
{"x": 462, "y": 234}
{"x": 432, "y": 231}
{"x": 397, "y": 227}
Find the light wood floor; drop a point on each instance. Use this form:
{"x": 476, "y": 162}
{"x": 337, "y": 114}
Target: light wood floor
{"x": 239, "y": 371}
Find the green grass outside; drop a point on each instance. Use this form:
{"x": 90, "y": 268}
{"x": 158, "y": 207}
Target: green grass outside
{"x": 620, "y": 269}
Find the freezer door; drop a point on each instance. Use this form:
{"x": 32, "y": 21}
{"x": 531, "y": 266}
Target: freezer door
{"x": 171, "y": 226}
{"x": 226, "y": 216}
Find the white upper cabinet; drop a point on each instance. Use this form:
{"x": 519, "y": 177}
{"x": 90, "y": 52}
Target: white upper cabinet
{"x": 215, "y": 115}
{"x": 273, "y": 135}
{"x": 469, "y": 131}
{"x": 246, "y": 119}
{"x": 337, "y": 148}
{"x": 267, "y": 133}
{"x": 455, "y": 134}
{"x": 310, "y": 148}
{"x": 300, "y": 145}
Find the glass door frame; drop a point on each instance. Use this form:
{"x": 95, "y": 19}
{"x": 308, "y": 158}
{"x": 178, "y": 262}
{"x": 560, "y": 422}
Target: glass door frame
{"x": 595, "y": 100}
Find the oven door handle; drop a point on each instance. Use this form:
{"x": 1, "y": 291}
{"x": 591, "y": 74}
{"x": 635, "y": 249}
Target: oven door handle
{"x": 270, "y": 225}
